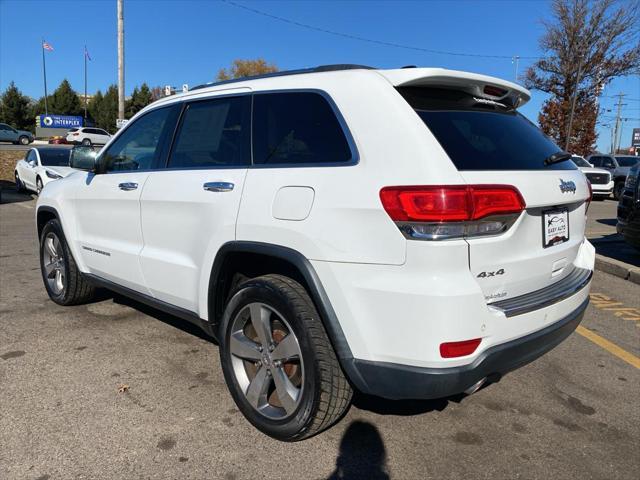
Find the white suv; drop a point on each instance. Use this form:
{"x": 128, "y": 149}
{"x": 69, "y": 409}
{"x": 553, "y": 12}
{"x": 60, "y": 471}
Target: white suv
{"x": 88, "y": 136}
{"x": 405, "y": 233}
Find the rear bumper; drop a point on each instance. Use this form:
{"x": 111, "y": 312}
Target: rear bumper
{"x": 394, "y": 381}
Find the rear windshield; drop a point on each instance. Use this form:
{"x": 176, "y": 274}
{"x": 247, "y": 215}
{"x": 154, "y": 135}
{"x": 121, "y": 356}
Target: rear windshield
{"x": 627, "y": 161}
{"x": 481, "y": 135}
{"x": 73, "y": 129}
{"x": 55, "y": 158}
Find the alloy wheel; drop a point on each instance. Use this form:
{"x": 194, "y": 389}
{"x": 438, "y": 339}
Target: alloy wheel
{"x": 54, "y": 265}
{"x": 267, "y": 361}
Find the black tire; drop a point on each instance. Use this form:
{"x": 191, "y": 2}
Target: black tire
{"x": 86, "y": 142}
{"x": 39, "y": 185}
{"x": 23, "y": 140}
{"x": 19, "y": 185}
{"x": 617, "y": 190}
{"x": 77, "y": 289}
{"x": 325, "y": 394}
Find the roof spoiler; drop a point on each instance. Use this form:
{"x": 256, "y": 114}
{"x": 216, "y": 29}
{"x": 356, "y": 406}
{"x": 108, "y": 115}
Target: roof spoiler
{"x": 484, "y": 87}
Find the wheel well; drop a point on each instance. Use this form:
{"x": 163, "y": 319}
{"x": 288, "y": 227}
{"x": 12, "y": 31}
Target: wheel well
{"x": 43, "y": 217}
{"x": 237, "y": 267}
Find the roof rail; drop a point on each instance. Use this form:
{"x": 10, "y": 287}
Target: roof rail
{"x": 321, "y": 68}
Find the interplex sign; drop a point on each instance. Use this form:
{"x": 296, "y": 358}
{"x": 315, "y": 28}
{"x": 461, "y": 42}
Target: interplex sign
{"x": 58, "y": 121}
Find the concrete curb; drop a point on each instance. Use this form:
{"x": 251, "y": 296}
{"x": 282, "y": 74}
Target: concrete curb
{"x": 618, "y": 268}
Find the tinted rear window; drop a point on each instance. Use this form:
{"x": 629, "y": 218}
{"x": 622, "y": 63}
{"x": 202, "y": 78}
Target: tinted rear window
{"x": 482, "y": 135}
{"x": 297, "y": 128}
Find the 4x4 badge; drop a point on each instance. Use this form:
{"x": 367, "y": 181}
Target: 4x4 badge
{"x": 567, "y": 186}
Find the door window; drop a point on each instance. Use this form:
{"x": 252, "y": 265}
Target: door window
{"x": 297, "y": 128}
{"x": 214, "y": 133}
{"x": 596, "y": 161}
{"x": 139, "y": 146}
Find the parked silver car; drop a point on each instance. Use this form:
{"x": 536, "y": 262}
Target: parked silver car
{"x": 618, "y": 165}
{"x": 10, "y": 134}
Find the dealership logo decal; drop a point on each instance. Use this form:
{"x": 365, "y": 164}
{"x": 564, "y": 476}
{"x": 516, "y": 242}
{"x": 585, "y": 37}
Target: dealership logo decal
{"x": 48, "y": 121}
{"x": 566, "y": 187}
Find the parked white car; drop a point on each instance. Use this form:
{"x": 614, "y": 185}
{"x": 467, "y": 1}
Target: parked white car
{"x": 40, "y": 166}
{"x": 406, "y": 233}
{"x": 600, "y": 179}
{"x": 88, "y": 136}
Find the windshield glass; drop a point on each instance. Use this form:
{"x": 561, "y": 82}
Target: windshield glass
{"x": 482, "y": 135}
{"x": 54, "y": 157}
{"x": 581, "y": 162}
{"x": 627, "y": 161}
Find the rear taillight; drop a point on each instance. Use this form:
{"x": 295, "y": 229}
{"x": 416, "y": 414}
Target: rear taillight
{"x": 451, "y": 211}
{"x": 459, "y": 349}
{"x": 76, "y": 134}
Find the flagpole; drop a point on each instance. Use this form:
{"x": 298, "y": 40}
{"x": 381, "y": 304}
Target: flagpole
{"x": 85, "y": 84}
{"x": 44, "y": 74}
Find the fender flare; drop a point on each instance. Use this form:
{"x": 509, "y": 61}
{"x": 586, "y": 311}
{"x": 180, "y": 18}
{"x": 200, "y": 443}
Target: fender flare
{"x": 301, "y": 263}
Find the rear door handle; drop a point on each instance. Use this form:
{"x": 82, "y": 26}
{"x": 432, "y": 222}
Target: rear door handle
{"x": 128, "y": 186}
{"x": 218, "y": 186}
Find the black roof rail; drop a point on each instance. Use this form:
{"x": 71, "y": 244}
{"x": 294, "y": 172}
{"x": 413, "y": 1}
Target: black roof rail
{"x": 321, "y": 68}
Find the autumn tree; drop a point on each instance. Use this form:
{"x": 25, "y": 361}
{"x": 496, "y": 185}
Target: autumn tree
{"x": 246, "y": 68}
{"x": 586, "y": 45}
{"x": 14, "y": 108}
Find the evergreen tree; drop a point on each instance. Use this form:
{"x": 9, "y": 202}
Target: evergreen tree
{"x": 109, "y": 110}
{"x": 14, "y": 109}
{"x": 140, "y": 98}
{"x": 94, "y": 108}
{"x": 65, "y": 101}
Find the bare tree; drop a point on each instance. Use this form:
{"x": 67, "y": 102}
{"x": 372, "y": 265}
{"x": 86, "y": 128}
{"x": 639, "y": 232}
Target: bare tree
{"x": 586, "y": 45}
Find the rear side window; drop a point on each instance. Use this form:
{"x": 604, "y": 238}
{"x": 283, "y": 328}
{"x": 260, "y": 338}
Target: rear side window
{"x": 297, "y": 128}
{"x": 481, "y": 135}
{"x": 627, "y": 161}
{"x": 214, "y": 133}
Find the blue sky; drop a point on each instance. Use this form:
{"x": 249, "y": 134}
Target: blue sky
{"x": 176, "y": 42}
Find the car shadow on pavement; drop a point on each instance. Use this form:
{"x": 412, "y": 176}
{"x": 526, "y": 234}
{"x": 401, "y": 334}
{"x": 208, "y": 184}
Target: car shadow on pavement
{"x": 614, "y": 246}
{"x": 164, "y": 317}
{"x": 362, "y": 454}
{"x": 382, "y": 406}
{"x": 9, "y": 193}
{"x": 608, "y": 221}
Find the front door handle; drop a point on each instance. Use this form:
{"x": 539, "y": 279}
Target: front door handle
{"x": 126, "y": 186}
{"x": 218, "y": 186}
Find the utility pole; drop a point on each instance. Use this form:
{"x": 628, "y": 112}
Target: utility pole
{"x": 120, "y": 59}
{"x": 516, "y": 59}
{"x": 617, "y": 132}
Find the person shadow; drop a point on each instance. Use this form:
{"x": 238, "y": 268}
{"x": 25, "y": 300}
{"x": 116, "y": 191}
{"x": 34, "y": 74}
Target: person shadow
{"x": 361, "y": 455}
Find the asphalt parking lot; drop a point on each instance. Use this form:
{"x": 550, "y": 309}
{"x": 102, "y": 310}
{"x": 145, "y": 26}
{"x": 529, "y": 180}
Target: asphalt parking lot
{"x": 574, "y": 413}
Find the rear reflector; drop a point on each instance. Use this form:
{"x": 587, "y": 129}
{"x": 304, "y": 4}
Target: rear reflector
{"x": 459, "y": 349}
{"x": 450, "y": 203}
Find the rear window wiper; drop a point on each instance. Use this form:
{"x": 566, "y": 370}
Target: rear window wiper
{"x": 557, "y": 157}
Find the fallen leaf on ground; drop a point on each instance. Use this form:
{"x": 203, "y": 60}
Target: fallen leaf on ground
{"x": 123, "y": 388}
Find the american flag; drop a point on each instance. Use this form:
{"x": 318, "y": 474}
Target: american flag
{"x": 86, "y": 53}
{"x": 46, "y": 46}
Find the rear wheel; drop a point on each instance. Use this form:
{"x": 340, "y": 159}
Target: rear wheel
{"x": 278, "y": 362}
{"x": 86, "y": 142}
{"x": 65, "y": 284}
{"x": 19, "y": 185}
{"x": 39, "y": 185}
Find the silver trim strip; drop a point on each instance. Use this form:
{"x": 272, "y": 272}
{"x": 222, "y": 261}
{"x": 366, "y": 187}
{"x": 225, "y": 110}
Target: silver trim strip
{"x": 569, "y": 285}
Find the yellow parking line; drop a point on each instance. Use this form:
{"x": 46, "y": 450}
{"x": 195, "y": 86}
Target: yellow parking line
{"x": 610, "y": 347}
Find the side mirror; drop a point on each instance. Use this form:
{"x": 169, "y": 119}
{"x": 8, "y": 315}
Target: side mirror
{"x": 83, "y": 159}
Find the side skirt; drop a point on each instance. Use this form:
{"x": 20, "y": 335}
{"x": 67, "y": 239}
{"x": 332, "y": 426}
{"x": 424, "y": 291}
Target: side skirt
{"x": 179, "y": 312}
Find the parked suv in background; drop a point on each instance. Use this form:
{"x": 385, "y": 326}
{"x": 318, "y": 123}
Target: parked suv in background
{"x": 618, "y": 165}
{"x": 599, "y": 178}
{"x": 88, "y": 136}
{"x": 10, "y": 134}
{"x": 629, "y": 208}
{"x": 406, "y": 233}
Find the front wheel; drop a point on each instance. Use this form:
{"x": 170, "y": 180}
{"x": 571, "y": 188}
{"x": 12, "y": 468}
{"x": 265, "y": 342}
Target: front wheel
{"x": 39, "y": 185}
{"x": 23, "y": 140}
{"x": 617, "y": 190}
{"x": 65, "y": 284}
{"x": 19, "y": 185}
{"x": 278, "y": 362}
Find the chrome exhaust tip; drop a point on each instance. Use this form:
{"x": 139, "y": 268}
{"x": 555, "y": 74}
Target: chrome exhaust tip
{"x": 475, "y": 387}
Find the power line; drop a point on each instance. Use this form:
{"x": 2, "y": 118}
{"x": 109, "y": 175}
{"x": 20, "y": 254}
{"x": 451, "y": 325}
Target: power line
{"x": 370, "y": 40}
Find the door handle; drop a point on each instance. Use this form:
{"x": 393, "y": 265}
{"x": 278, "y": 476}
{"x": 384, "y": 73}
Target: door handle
{"x": 126, "y": 186}
{"x": 218, "y": 186}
